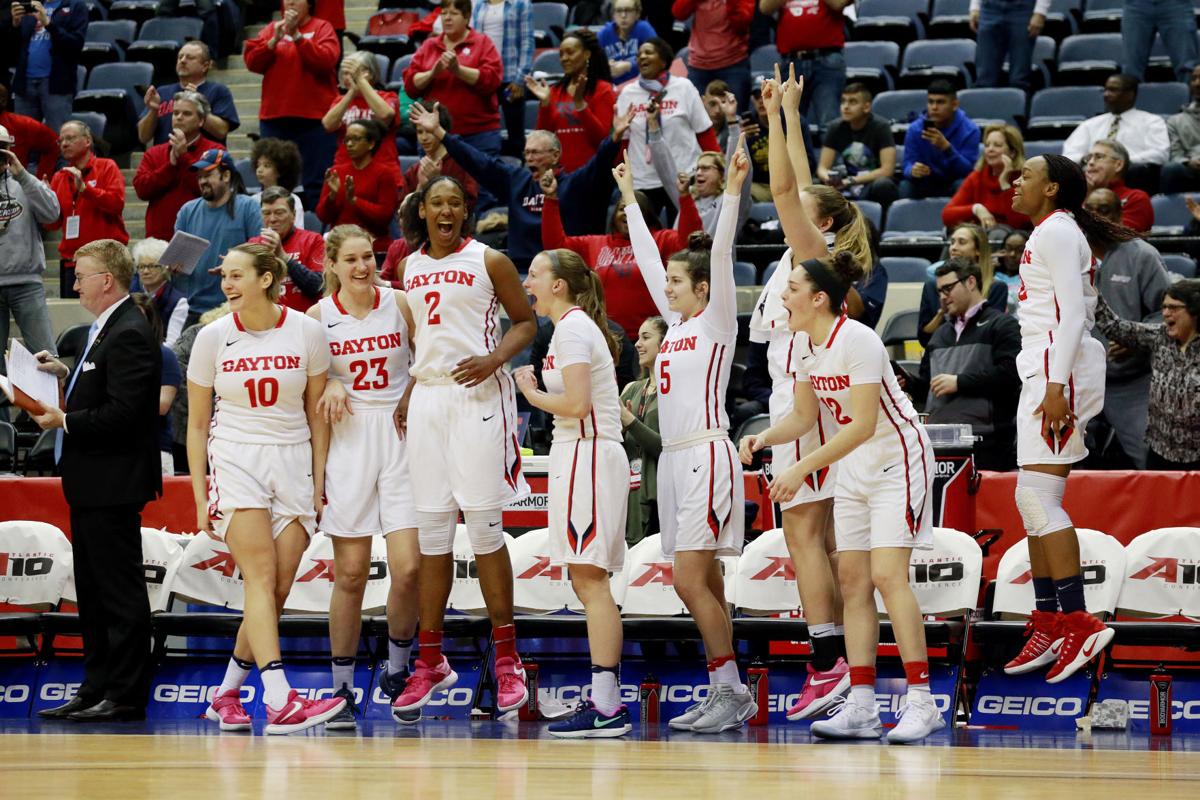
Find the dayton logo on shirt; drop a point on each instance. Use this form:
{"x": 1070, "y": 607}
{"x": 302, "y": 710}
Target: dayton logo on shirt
{"x": 368, "y": 344}
{"x": 256, "y": 363}
{"x": 687, "y": 343}
{"x": 548, "y": 363}
{"x": 830, "y": 383}
{"x": 435, "y": 278}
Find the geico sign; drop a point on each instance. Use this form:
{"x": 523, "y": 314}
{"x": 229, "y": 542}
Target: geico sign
{"x": 193, "y": 693}
{"x": 24, "y": 565}
{"x": 1180, "y": 709}
{"x": 459, "y": 697}
{"x": 58, "y": 691}
{"x": 573, "y": 694}
{"x": 1017, "y": 706}
{"x": 1168, "y": 570}
{"x": 18, "y": 693}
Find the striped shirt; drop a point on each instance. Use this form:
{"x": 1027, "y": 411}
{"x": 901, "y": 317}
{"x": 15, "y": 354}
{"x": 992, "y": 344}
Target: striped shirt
{"x": 516, "y": 50}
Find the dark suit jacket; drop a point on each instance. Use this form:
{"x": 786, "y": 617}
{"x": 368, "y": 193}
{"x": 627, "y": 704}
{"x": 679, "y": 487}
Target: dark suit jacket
{"x": 110, "y": 452}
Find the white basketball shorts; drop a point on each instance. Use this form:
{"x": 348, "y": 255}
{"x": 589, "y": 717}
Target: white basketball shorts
{"x": 589, "y": 496}
{"x": 367, "y": 489}
{"x": 884, "y": 495}
{"x": 702, "y": 499}
{"x": 277, "y": 477}
{"x": 817, "y": 486}
{"x": 1084, "y": 393}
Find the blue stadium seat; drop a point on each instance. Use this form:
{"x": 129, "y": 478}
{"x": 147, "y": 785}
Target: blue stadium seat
{"x": 549, "y": 21}
{"x": 245, "y": 168}
{"x": 393, "y": 46}
{"x": 118, "y": 31}
{"x": 408, "y": 162}
{"x": 1180, "y": 264}
{"x": 161, "y": 54}
{"x": 548, "y": 62}
{"x": 744, "y": 274}
{"x": 923, "y": 61}
{"x": 901, "y": 327}
{"x": 398, "y": 67}
{"x": 94, "y": 121}
{"x": 313, "y": 223}
{"x": 1088, "y": 59}
{"x": 915, "y": 219}
{"x": 1005, "y": 105}
{"x": 761, "y": 212}
{"x": 1162, "y": 98}
{"x": 905, "y": 269}
{"x": 531, "y": 115}
{"x": 1102, "y": 16}
{"x": 137, "y": 10}
{"x": 97, "y": 12}
{"x": 872, "y": 210}
{"x": 769, "y": 271}
{"x": 1063, "y": 19}
{"x": 873, "y": 63}
{"x": 764, "y": 59}
{"x": 901, "y": 107}
{"x": 950, "y": 20}
{"x": 1055, "y": 112}
{"x": 176, "y": 29}
{"x": 890, "y": 20}
{"x": 1171, "y": 213}
{"x": 1039, "y": 148}
{"x": 112, "y": 91}
{"x": 385, "y": 66}
{"x": 1160, "y": 68}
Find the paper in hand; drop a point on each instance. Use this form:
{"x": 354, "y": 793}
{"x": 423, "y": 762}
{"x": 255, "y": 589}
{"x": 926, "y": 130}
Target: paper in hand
{"x": 24, "y": 375}
{"x": 184, "y": 251}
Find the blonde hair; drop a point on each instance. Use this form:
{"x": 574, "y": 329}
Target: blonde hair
{"x": 584, "y": 290}
{"x": 114, "y": 256}
{"x": 1012, "y": 138}
{"x": 265, "y": 262}
{"x": 983, "y": 252}
{"x": 335, "y": 240}
{"x": 850, "y": 231}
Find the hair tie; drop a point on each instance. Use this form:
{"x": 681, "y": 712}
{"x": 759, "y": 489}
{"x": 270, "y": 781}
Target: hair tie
{"x": 826, "y": 282}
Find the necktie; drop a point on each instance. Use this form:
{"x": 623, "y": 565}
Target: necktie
{"x": 58, "y": 437}
{"x": 1112, "y": 129}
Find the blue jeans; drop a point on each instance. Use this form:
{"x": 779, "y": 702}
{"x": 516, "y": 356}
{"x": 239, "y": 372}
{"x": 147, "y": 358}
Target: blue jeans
{"x": 736, "y": 75}
{"x": 1004, "y": 31}
{"x": 824, "y": 79}
{"x": 37, "y": 102}
{"x": 316, "y": 150}
{"x": 486, "y": 142}
{"x": 1175, "y": 21}
{"x": 26, "y": 302}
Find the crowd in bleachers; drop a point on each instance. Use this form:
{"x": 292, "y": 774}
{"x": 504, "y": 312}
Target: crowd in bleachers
{"x": 923, "y": 114}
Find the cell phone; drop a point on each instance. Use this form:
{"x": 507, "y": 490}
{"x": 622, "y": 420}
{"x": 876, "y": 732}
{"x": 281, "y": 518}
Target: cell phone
{"x": 929, "y": 124}
{"x": 28, "y": 7}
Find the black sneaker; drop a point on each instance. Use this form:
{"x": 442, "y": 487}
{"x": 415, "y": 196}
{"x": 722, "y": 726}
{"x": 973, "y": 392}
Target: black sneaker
{"x": 392, "y": 685}
{"x": 344, "y": 720}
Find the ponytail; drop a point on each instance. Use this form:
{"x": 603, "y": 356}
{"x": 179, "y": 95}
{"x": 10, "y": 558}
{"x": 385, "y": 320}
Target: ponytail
{"x": 585, "y": 290}
{"x": 850, "y": 229}
{"x": 1102, "y": 235}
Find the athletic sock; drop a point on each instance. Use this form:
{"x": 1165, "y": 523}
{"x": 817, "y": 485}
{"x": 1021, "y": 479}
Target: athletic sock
{"x": 343, "y": 672}
{"x": 862, "y": 686}
{"x": 823, "y": 640}
{"x": 1045, "y": 598}
{"x": 839, "y": 632}
{"x": 917, "y": 675}
{"x": 724, "y": 670}
{"x": 429, "y": 645}
{"x": 399, "y": 653}
{"x": 235, "y": 675}
{"x": 1070, "y": 594}
{"x": 275, "y": 684}
{"x": 505, "y": 638}
{"x": 606, "y": 691}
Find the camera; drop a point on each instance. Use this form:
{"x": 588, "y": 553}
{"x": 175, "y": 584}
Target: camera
{"x": 837, "y": 176}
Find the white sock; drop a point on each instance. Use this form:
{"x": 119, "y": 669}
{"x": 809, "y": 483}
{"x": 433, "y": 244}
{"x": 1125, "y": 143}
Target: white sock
{"x": 727, "y": 674}
{"x": 399, "y": 652}
{"x": 343, "y": 673}
{"x": 919, "y": 694}
{"x": 235, "y": 675}
{"x": 275, "y": 685}
{"x": 606, "y": 694}
{"x": 839, "y": 630}
{"x": 863, "y": 695}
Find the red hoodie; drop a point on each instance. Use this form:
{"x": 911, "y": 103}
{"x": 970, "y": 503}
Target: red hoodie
{"x": 376, "y": 197}
{"x": 626, "y": 297}
{"x": 580, "y": 132}
{"x": 29, "y": 136}
{"x": 474, "y": 109}
{"x": 299, "y": 76}
{"x": 98, "y": 204}
{"x": 981, "y": 186}
{"x": 166, "y": 186}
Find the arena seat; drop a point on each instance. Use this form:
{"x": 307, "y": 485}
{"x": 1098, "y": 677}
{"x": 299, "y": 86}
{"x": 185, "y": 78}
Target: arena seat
{"x": 398, "y": 66}
{"x": 916, "y": 219}
{"x": 1103, "y": 560}
{"x": 161, "y": 54}
{"x": 1171, "y": 214}
{"x": 549, "y": 23}
{"x": 466, "y": 595}
{"x": 985, "y": 106}
{"x": 313, "y": 589}
{"x": 649, "y": 582}
{"x": 1161, "y": 98}
{"x": 766, "y": 577}
{"x": 762, "y": 212}
{"x": 946, "y": 578}
{"x": 1152, "y": 584}
{"x": 8, "y": 447}
{"x": 1041, "y": 148}
{"x": 763, "y": 60}
{"x": 94, "y": 121}
{"x": 1160, "y": 67}
{"x": 901, "y": 327}
{"x": 744, "y": 274}
{"x": 1063, "y": 19}
{"x": 905, "y": 269}
{"x": 392, "y": 46}
{"x": 901, "y": 108}
{"x": 162, "y": 553}
{"x": 1180, "y": 264}
{"x": 71, "y": 343}
{"x": 923, "y": 61}
{"x": 174, "y": 29}
{"x": 28, "y": 580}
{"x": 1083, "y": 60}
{"x": 539, "y": 587}
{"x": 548, "y": 62}
{"x": 1103, "y": 16}
{"x": 890, "y": 20}
{"x": 105, "y": 42}
{"x": 874, "y": 211}
{"x": 1055, "y": 112}
{"x": 873, "y": 63}
{"x": 137, "y": 10}
{"x": 112, "y": 93}
{"x": 950, "y": 19}
{"x": 40, "y": 457}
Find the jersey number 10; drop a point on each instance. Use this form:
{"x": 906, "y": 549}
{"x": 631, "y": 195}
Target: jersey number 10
{"x": 263, "y": 392}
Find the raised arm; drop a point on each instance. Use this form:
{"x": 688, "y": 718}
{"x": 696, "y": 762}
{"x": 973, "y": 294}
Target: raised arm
{"x": 645, "y": 250}
{"x": 806, "y": 239}
{"x": 720, "y": 318}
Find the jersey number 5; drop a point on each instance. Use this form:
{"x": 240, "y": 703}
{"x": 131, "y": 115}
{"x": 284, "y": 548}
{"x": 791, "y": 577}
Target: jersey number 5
{"x": 263, "y": 392}
{"x": 432, "y": 317}
{"x": 836, "y": 408}
{"x": 360, "y": 368}
{"x": 664, "y": 377}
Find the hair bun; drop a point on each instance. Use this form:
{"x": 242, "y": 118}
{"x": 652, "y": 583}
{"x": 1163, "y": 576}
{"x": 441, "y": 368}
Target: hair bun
{"x": 699, "y": 241}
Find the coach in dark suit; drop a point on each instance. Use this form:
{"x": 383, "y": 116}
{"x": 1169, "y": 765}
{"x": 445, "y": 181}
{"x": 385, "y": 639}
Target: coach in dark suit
{"x": 108, "y": 458}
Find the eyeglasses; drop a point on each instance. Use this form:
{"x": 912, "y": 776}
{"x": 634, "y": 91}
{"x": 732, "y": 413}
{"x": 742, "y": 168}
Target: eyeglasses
{"x": 945, "y": 290}
{"x": 624, "y": 11}
{"x": 1090, "y": 157}
{"x": 1173, "y": 307}
{"x": 80, "y": 277}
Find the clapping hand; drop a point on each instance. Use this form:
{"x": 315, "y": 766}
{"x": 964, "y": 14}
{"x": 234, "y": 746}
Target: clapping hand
{"x": 425, "y": 119}
{"x": 621, "y": 123}
{"x": 350, "y": 189}
{"x": 538, "y": 88}
{"x": 429, "y": 169}
{"x": 526, "y": 379}
{"x": 333, "y": 181}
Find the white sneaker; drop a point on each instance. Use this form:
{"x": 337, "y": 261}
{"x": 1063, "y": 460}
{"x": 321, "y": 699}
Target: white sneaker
{"x": 849, "y": 721}
{"x": 728, "y": 710}
{"x": 917, "y": 719}
{"x": 692, "y": 713}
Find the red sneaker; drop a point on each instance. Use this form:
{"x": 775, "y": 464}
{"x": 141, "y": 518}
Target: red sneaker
{"x": 1043, "y": 645}
{"x": 227, "y": 709}
{"x": 297, "y": 713}
{"x": 421, "y": 685}
{"x": 1084, "y": 638}
{"x": 821, "y": 690}
{"x": 510, "y": 684}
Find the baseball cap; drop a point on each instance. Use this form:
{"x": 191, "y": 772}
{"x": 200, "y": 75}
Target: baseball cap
{"x": 759, "y": 80}
{"x": 5, "y": 136}
{"x": 212, "y": 159}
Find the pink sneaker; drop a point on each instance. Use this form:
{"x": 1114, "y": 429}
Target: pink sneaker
{"x": 821, "y": 690}
{"x": 297, "y": 713}
{"x": 421, "y": 685}
{"x": 227, "y": 709}
{"x": 510, "y": 680}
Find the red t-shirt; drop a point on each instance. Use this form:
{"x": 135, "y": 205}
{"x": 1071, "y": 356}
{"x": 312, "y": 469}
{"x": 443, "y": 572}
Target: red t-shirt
{"x": 359, "y": 110}
{"x": 580, "y": 132}
{"x": 475, "y": 109}
{"x": 299, "y": 77}
{"x": 720, "y": 31}
{"x": 376, "y": 197}
{"x": 333, "y": 12}
{"x": 982, "y": 187}
{"x": 1136, "y": 210}
{"x": 307, "y": 247}
{"x": 166, "y": 187}
{"x": 809, "y": 25}
{"x": 98, "y": 204}
{"x": 451, "y": 168}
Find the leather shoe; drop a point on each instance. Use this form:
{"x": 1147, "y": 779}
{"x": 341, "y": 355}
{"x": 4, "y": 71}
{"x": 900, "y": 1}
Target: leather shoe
{"x": 76, "y": 703}
{"x": 108, "y": 711}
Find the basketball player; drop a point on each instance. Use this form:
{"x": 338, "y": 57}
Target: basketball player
{"x": 701, "y": 505}
{"x": 589, "y": 472}
{"x": 369, "y": 331}
{"x": 882, "y": 508}
{"x": 265, "y": 453}
{"x": 462, "y": 428}
{"x": 1062, "y": 387}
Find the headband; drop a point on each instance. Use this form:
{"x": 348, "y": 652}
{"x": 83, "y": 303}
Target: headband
{"x": 826, "y": 281}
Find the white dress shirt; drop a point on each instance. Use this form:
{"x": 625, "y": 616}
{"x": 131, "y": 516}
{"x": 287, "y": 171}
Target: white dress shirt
{"x": 1143, "y": 134}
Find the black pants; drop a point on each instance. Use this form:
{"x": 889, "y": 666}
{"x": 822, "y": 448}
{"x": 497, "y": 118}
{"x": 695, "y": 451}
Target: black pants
{"x": 114, "y": 609}
{"x": 1156, "y": 462}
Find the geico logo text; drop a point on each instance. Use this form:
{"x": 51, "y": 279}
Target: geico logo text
{"x": 193, "y": 693}
{"x": 1030, "y": 706}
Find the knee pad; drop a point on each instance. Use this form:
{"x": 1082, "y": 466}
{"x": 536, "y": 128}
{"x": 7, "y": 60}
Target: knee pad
{"x": 435, "y": 532}
{"x": 1039, "y": 501}
{"x": 485, "y": 530}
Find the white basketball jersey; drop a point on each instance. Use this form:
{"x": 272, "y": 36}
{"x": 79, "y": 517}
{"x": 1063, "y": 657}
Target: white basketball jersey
{"x": 259, "y": 377}
{"x": 1056, "y": 244}
{"x": 693, "y": 375}
{"x": 577, "y": 340}
{"x": 369, "y": 356}
{"x": 454, "y": 307}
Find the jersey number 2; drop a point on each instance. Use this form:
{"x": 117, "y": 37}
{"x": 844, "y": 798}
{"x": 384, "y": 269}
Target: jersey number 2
{"x": 263, "y": 392}
{"x": 359, "y": 370}
{"x": 836, "y": 408}
{"x": 433, "y": 298}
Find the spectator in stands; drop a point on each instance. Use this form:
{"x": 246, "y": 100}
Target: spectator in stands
{"x": 625, "y": 294}
{"x": 755, "y": 396}
{"x": 811, "y": 35}
{"x": 168, "y": 383}
{"x": 153, "y": 277}
{"x": 437, "y": 162}
{"x": 191, "y": 67}
{"x": 1006, "y": 266}
{"x": 754, "y": 125}
{"x": 706, "y": 181}
{"x": 29, "y": 204}
{"x": 91, "y": 195}
{"x": 1175, "y": 23}
{"x": 639, "y": 425}
{"x": 165, "y": 179}
{"x": 968, "y": 241}
{"x": 719, "y": 44}
{"x": 623, "y": 37}
{"x": 362, "y": 192}
{"x": 1006, "y": 29}
{"x": 296, "y": 57}
{"x": 304, "y": 251}
{"x": 858, "y": 156}
{"x": 32, "y": 138}
{"x": 277, "y": 162}
{"x": 51, "y": 38}
{"x": 1143, "y": 134}
{"x": 686, "y": 128}
{"x": 986, "y": 195}
{"x": 969, "y": 369}
{"x": 509, "y": 24}
{"x": 1182, "y": 172}
{"x": 521, "y": 186}
{"x": 333, "y": 12}
{"x": 363, "y": 99}
{"x": 1132, "y": 279}
{"x": 579, "y": 107}
{"x": 940, "y": 146}
{"x": 224, "y": 216}
{"x": 1104, "y": 168}
{"x": 866, "y": 298}
{"x": 1173, "y": 431}
{"x": 721, "y": 105}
